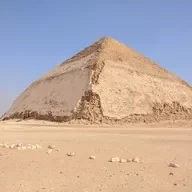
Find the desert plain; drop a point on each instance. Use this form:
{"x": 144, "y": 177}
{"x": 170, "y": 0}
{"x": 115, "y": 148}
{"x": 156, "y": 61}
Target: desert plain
{"x": 52, "y": 169}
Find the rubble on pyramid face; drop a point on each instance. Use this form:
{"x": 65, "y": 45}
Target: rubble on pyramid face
{"x": 106, "y": 82}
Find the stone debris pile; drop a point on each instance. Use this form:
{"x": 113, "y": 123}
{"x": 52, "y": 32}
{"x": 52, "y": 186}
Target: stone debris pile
{"x": 70, "y": 154}
{"x": 20, "y": 146}
{"x": 123, "y": 160}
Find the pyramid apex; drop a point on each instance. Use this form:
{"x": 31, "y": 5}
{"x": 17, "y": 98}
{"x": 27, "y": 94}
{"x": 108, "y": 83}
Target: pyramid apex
{"x": 107, "y": 38}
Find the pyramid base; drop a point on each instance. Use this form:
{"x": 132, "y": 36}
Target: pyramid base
{"x": 90, "y": 110}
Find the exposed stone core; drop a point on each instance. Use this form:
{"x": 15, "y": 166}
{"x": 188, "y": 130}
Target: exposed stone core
{"x": 106, "y": 83}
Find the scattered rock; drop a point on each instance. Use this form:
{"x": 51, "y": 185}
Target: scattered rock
{"x": 123, "y": 160}
{"x": 49, "y": 151}
{"x": 23, "y": 147}
{"x": 28, "y": 146}
{"x": 70, "y": 154}
{"x": 171, "y": 173}
{"x": 174, "y": 165}
{"x": 105, "y": 169}
{"x": 37, "y": 146}
{"x": 33, "y": 146}
{"x": 92, "y": 157}
{"x": 19, "y": 145}
{"x": 114, "y": 159}
{"x": 12, "y": 146}
{"x": 5, "y": 146}
{"x": 51, "y": 146}
{"x": 135, "y": 160}
{"x": 2, "y": 145}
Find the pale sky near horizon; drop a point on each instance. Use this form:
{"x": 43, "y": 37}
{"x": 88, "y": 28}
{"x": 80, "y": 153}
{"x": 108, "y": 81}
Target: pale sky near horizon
{"x": 36, "y": 36}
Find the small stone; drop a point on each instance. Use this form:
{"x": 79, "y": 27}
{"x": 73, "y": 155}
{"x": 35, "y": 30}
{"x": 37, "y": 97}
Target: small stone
{"x": 12, "y": 146}
{"x": 1, "y": 144}
{"x": 92, "y": 157}
{"x": 51, "y": 146}
{"x": 37, "y": 146}
{"x": 23, "y": 148}
{"x": 5, "y": 146}
{"x": 105, "y": 169}
{"x": 171, "y": 173}
{"x": 175, "y": 184}
{"x": 19, "y": 145}
{"x": 123, "y": 160}
{"x": 129, "y": 160}
{"x": 114, "y": 159}
{"x": 70, "y": 154}
{"x": 33, "y": 147}
{"x": 49, "y": 151}
{"x": 174, "y": 165}
{"x": 135, "y": 160}
{"x": 28, "y": 146}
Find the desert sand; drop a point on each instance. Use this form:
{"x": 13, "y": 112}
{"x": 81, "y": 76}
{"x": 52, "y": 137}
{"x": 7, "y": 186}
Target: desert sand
{"x": 156, "y": 146}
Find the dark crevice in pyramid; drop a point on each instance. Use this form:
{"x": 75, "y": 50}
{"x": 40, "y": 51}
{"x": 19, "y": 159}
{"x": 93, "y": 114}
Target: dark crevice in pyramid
{"x": 106, "y": 83}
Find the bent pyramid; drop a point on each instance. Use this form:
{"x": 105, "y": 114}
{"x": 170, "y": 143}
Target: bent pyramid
{"x": 106, "y": 82}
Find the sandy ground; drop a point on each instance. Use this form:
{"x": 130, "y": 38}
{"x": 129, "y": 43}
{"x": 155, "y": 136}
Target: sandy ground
{"x": 36, "y": 171}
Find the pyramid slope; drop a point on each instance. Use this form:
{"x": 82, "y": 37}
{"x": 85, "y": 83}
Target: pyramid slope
{"x": 106, "y": 82}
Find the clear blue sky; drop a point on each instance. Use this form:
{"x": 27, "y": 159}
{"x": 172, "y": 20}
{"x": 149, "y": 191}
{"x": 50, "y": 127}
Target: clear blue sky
{"x": 37, "y": 35}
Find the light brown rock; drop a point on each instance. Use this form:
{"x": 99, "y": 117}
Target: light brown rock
{"x": 92, "y": 157}
{"x": 123, "y": 160}
{"x": 23, "y": 148}
{"x": 12, "y": 146}
{"x": 174, "y": 165}
{"x": 33, "y": 147}
{"x": 38, "y": 146}
{"x": 114, "y": 159}
{"x": 28, "y": 146}
{"x": 135, "y": 160}
{"x": 19, "y": 145}
{"x": 70, "y": 154}
{"x": 49, "y": 151}
{"x": 51, "y": 146}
